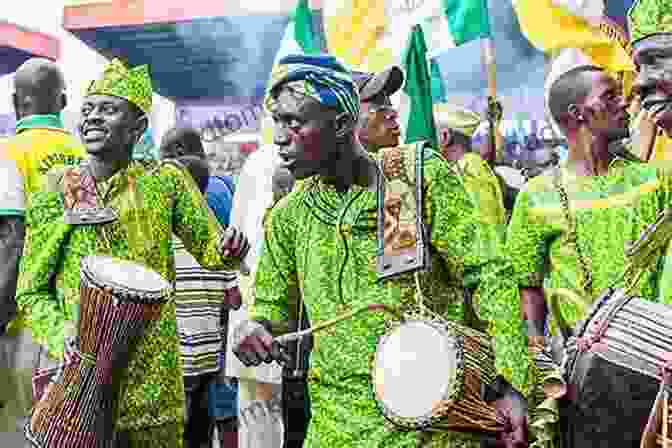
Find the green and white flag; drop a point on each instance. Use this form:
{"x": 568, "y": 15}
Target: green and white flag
{"x": 417, "y": 106}
{"x": 450, "y": 23}
{"x": 300, "y": 35}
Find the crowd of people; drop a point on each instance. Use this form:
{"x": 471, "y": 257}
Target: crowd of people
{"x": 334, "y": 216}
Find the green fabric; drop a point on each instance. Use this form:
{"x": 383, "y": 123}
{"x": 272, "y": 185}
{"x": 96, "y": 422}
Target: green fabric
{"x": 611, "y": 211}
{"x": 39, "y": 122}
{"x": 438, "y": 89}
{"x": 467, "y": 19}
{"x": 168, "y": 202}
{"x": 647, "y": 17}
{"x": 317, "y": 239}
{"x": 418, "y": 87}
{"x": 304, "y": 34}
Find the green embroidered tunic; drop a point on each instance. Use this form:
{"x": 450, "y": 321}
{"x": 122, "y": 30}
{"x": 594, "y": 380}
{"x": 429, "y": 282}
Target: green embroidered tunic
{"x": 610, "y": 212}
{"x": 168, "y": 203}
{"x": 317, "y": 239}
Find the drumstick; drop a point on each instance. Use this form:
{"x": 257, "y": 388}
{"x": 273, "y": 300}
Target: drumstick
{"x": 289, "y": 337}
{"x": 665, "y": 417}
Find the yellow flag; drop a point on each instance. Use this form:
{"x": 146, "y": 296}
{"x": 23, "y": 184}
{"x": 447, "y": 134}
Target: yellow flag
{"x": 551, "y": 28}
{"x": 354, "y": 28}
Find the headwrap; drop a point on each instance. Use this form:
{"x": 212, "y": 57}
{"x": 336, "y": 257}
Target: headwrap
{"x": 647, "y": 17}
{"x": 458, "y": 119}
{"x": 322, "y": 78}
{"x": 134, "y": 85}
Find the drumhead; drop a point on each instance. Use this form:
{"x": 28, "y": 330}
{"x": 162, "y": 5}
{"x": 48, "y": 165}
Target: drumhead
{"x": 414, "y": 369}
{"x": 124, "y": 275}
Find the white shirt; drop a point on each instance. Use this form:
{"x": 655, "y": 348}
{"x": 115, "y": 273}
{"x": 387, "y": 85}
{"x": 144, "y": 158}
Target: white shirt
{"x": 12, "y": 193}
{"x": 254, "y": 195}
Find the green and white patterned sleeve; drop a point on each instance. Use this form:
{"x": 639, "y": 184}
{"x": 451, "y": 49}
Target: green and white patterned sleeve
{"x": 36, "y": 298}
{"x": 195, "y": 224}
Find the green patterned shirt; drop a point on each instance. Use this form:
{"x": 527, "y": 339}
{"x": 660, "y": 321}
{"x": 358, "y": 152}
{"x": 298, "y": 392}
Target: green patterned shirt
{"x": 317, "y": 239}
{"x": 169, "y": 203}
{"x": 610, "y": 212}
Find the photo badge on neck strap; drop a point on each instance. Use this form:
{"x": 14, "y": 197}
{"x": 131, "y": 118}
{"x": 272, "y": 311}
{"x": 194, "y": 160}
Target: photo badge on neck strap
{"x": 402, "y": 238}
{"x": 82, "y": 205}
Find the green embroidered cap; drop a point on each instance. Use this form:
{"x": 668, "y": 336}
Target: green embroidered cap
{"x": 647, "y": 17}
{"x": 134, "y": 85}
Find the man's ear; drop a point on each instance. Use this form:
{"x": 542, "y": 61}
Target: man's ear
{"x": 141, "y": 125}
{"x": 575, "y": 113}
{"x": 15, "y": 103}
{"x": 344, "y": 125}
{"x": 64, "y": 100}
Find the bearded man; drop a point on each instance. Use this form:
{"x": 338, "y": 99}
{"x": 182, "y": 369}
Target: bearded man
{"x": 331, "y": 212}
{"x": 151, "y": 202}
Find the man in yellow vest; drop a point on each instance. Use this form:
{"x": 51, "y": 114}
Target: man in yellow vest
{"x": 41, "y": 143}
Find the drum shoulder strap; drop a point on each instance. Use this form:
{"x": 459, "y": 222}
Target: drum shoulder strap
{"x": 402, "y": 235}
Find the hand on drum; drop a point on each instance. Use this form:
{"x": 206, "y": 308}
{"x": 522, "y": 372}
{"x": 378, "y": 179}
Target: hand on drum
{"x": 254, "y": 344}
{"x": 234, "y": 243}
{"x": 511, "y": 407}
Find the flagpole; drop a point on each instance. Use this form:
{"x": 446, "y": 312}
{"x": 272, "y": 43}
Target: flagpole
{"x": 494, "y": 108}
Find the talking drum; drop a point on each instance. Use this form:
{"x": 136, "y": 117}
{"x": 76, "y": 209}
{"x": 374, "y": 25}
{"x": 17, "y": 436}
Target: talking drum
{"x": 613, "y": 366}
{"x": 119, "y": 302}
{"x": 428, "y": 374}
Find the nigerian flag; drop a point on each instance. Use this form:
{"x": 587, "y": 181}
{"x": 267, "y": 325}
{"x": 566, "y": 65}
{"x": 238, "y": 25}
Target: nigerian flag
{"x": 417, "y": 113}
{"x": 300, "y": 37}
{"x": 467, "y": 20}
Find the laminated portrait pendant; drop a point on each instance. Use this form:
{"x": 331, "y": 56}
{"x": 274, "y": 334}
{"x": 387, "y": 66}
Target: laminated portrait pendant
{"x": 82, "y": 205}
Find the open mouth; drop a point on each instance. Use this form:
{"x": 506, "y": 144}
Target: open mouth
{"x": 93, "y": 134}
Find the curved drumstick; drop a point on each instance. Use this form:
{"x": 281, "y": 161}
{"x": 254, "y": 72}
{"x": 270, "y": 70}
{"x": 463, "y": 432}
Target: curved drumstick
{"x": 289, "y": 337}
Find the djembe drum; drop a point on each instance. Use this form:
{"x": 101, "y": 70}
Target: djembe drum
{"x": 119, "y": 302}
{"x": 613, "y": 367}
{"x": 429, "y": 374}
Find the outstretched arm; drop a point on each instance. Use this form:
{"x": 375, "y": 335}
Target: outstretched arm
{"x": 194, "y": 223}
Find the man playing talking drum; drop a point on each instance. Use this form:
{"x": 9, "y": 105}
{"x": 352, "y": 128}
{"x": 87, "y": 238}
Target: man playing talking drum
{"x": 321, "y": 249}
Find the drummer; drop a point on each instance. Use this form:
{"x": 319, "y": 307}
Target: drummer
{"x": 321, "y": 240}
{"x": 153, "y": 202}
{"x": 455, "y": 127}
{"x": 610, "y": 200}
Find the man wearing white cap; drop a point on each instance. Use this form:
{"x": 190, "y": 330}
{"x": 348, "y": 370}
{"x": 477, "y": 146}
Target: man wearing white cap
{"x": 455, "y": 127}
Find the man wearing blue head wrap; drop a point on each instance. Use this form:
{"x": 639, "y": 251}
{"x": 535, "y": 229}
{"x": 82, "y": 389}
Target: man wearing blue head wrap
{"x": 320, "y": 251}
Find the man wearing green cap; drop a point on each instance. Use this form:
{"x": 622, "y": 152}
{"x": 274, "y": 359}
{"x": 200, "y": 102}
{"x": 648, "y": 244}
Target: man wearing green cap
{"x": 148, "y": 203}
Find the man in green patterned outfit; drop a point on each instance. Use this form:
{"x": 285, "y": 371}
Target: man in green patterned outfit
{"x": 152, "y": 201}
{"x": 320, "y": 248}
{"x": 569, "y": 230}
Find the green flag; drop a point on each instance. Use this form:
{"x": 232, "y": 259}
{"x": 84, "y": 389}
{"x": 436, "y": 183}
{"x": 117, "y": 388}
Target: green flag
{"x": 417, "y": 91}
{"x": 467, "y": 19}
{"x": 438, "y": 90}
{"x": 304, "y": 32}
